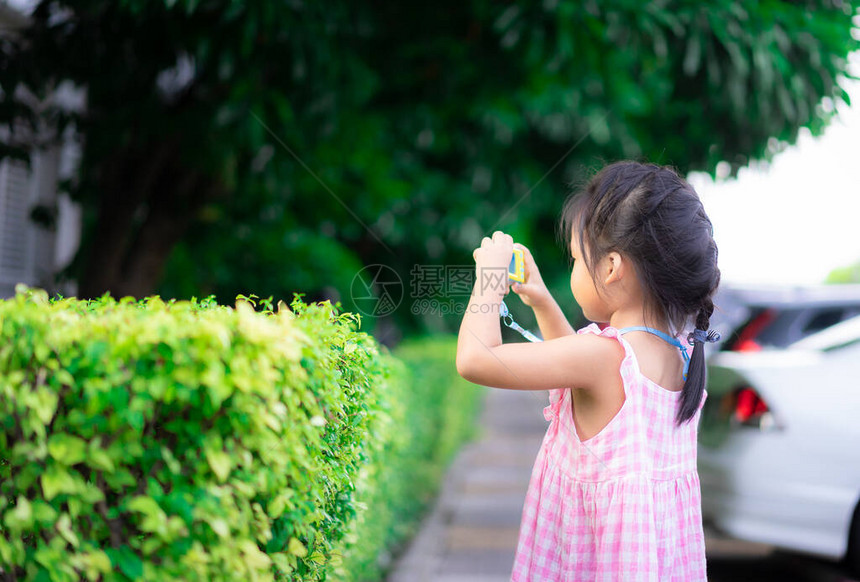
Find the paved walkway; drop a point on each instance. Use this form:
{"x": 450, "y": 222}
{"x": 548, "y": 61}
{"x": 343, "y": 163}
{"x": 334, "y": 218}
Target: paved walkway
{"x": 471, "y": 534}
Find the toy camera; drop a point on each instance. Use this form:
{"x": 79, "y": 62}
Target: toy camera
{"x": 517, "y": 268}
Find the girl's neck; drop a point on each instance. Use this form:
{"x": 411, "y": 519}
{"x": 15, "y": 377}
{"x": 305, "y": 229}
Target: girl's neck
{"x": 634, "y": 318}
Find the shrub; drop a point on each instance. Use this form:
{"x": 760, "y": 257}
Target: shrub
{"x": 180, "y": 440}
{"x": 432, "y": 413}
{"x": 170, "y": 440}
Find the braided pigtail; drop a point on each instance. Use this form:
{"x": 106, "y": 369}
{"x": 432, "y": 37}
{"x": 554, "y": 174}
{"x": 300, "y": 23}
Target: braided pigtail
{"x": 694, "y": 386}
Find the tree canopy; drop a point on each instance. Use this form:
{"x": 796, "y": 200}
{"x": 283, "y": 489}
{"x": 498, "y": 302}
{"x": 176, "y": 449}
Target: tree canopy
{"x": 280, "y": 146}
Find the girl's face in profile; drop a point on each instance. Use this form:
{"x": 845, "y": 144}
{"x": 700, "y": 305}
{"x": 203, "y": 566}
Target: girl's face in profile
{"x": 583, "y": 287}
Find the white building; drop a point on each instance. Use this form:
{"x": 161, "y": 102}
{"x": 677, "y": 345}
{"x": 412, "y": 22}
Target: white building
{"x": 29, "y": 252}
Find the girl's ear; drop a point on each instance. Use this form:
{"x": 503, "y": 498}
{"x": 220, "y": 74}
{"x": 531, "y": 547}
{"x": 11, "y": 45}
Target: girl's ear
{"x": 615, "y": 267}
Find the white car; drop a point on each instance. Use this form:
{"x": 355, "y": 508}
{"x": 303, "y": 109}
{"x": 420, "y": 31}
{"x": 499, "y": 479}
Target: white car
{"x": 779, "y": 438}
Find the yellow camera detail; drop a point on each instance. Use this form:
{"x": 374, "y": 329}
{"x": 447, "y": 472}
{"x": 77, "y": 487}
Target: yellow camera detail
{"x": 517, "y": 268}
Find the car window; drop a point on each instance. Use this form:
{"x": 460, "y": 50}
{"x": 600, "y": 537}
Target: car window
{"x": 824, "y": 319}
{"x": 771, "y": 327}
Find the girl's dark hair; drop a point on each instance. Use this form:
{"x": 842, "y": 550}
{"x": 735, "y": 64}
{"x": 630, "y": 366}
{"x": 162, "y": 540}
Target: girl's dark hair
{"x": 651, "y": 215}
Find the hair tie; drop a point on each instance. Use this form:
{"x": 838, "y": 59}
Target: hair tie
{"x": 702, "y": 336}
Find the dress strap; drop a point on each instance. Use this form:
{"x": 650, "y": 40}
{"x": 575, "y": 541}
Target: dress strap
{"x": 665, "y": 337}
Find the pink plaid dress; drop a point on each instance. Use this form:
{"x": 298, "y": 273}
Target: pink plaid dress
{"x": 622, "y": 505}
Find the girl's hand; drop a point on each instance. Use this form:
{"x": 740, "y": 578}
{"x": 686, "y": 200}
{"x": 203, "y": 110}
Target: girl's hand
{"x": 533, "y": 292}
{"x": 492, "y": 259}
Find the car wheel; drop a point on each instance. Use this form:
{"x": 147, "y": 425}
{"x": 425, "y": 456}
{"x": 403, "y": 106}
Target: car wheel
{"x": 852, "y": 558}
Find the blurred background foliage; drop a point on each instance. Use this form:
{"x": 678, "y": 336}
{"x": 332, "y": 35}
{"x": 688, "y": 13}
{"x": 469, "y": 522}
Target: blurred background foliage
{"x": 280, "y": 146}
{"x": 845, "y": 275}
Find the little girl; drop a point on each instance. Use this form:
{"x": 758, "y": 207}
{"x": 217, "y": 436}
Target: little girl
{"x": 614, "y": 493}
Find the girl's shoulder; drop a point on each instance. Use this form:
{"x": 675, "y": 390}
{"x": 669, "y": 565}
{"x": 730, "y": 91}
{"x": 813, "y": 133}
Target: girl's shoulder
{"x": 633, "y": 367}
{"x": 609, "y": 337}
{"x": 616, "y": 349}
{"x": 605, "y": 350}
{"x": 606, "y": 335}
{"x": 600, "y": 330}
{"x": 605, "y": 341}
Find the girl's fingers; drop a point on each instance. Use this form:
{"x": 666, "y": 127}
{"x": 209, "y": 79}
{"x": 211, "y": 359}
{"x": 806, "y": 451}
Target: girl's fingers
{"x": 500, "y": 237}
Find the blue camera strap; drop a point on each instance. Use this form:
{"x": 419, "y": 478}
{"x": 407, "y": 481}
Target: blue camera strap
{"x": 508, "y": 320}
{"x": 665, "y": 337}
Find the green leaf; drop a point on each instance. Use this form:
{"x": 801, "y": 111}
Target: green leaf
{"x": 296, "y": 548}
{"x": 253, "y": 557}
{"x": 171, "y": 462}
{"x": 219, "y": 461}
{"x": 145, "y": 505}
{"x": 99, "y": 458}
{"x": 220, "y": 527}
{"x": 154, "y": 518}
{"x": 127, "y": 561}
{"x": 67, "y": 449}
{"x": 43, "y": 512}
{"x": 119, "y": 479}
{"x": 286, "y": 562}
{"x": 64, "y": 377}
{"x": 44, "y": 403}
{"x": 151, "y": 545}
{"x": 56, "y": 480}
{"x": 277, "y": 506}
{"x": 21, "y": 516}
{"x": 64, "y": 526}
{"x": 692, "y": 58}
{"x": 95, "y": 563}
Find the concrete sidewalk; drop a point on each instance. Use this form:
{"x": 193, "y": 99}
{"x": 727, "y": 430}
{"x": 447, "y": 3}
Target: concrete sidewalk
{"x": 471, "y": 533}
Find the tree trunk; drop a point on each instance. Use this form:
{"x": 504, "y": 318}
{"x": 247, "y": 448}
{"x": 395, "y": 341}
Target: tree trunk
{"x": 148, "y": 202}
{"x": 167, "y": 222}
{"x": 118, "y": 205}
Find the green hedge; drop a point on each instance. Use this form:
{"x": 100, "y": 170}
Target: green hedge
{"x": 433, "y": 411}
{"x": 153, "y": 440}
